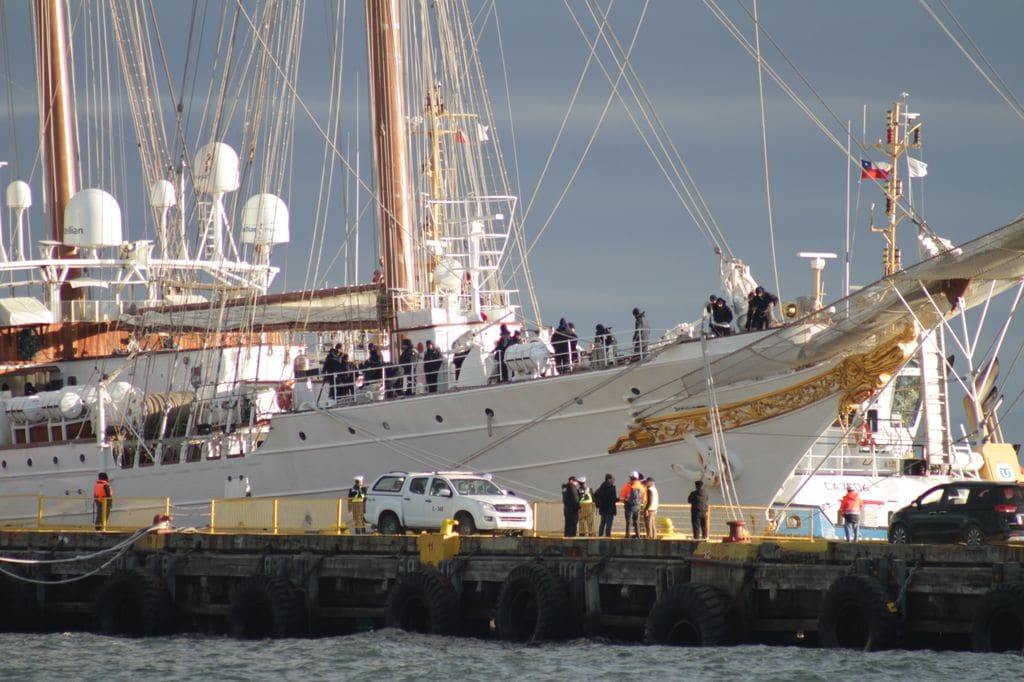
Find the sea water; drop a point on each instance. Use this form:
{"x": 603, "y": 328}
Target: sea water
{"x": 387, "y": 655}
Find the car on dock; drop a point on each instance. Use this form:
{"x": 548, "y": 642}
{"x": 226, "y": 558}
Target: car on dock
{"x": 399, "y": 501}
{"x": 974, "y": 512}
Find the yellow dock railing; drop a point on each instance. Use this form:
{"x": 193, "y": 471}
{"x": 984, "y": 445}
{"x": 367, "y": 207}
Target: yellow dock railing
{"x": 291, "y": 515}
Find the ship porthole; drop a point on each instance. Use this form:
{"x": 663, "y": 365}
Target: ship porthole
{"x": 55, "y": 460}
{"x": 438, "y": 418}
{"x": 81, "y": 458}
{"x": 30, "y": 461}
{"x": 387, "y": 427}
{"x": 3, "y": 464}
{"x": 579, "y": 401}
{"x": 635, "y": 390}
{"x": 793, "y": 521}
{"x": 351, "y": 430}
{"x": 489, "y": 412}
{"x": 302, "y": 435}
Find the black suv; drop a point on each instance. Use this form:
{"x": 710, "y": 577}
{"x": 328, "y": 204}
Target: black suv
{"x": 974, "y": 512}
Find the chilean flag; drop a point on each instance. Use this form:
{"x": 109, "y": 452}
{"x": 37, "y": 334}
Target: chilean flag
{"x": 874, "y": 171}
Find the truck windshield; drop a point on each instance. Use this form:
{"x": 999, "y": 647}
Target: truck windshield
{"x": 476, "y": 486}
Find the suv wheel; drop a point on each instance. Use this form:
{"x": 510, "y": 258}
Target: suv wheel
{"x": 898, "y": 534}
{"x": 974, "y": 535}
{"x": 389, "y": 525}
{"x": 466, "y": 524}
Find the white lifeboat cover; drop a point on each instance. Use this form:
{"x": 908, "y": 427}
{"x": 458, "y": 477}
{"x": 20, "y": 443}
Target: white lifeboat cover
{"x": 23, "y": 310}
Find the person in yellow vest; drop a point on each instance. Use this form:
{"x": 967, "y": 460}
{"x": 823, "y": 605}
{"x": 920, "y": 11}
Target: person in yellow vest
{"x": 102, "y": 495}
{"x": 651, "y": 509}
{"x": 586, "y": 508}
{"x": 357, "y": 505}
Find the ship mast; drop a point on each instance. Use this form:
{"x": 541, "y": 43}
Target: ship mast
{"x": 389, "y": 142}
{"x": 55, "y": 112}
{"x": 899, "y": 137}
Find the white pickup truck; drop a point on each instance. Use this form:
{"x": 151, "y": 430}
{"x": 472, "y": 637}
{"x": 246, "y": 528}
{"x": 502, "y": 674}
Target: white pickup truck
{"x": 421, "y": 501}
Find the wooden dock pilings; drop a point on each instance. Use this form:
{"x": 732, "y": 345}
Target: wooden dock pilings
{"x": 865, "y": 596}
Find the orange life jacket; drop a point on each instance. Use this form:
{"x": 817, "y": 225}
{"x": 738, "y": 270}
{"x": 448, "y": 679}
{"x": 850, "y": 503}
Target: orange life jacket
{"x": 101, "y": 489}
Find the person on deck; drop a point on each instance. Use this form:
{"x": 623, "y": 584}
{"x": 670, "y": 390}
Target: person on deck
{"x": 331, "y": 370}
{"x": 102, "y": 495}
{"x": 651, "y": 509}
{"x": 357, "y": 505}
{"x": 606, "y": 501}
{"x": 432, "y": 361}
{"x": 633, "y": 498}
{"x": 849, "y": 511}
{"x": 641, "y": 333}
{"x": 560, "y": 343}
{"x": 586, "y": 528}
{"x": 571, "y": 506}
{"x": 721, "y": 318}
{"x": 698, "y": 500}
{"x": 759, "y": 309}
{"x": 373, "y": 366}
{"x": 347, "y": 377}
{"x": 407, "y": 365}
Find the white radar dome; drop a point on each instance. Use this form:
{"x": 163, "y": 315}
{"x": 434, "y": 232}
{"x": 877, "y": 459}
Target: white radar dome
{"x": 265, "y": 220}
{"x": 19, "y": 195}
{"x": 216, "y": 169}
{"x": 162, "y": 195}
{"x": 92, "y": 218}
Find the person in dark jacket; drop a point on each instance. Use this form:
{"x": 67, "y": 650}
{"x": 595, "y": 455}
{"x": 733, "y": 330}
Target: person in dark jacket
{"x": 331, "y": 370}
{"x": 606, "y": 498}
{"x": 347, "y": 378}
{"x": 721, "y": 318}
{"x": 759, "y": 308}
{"x": 407, "y": 365}
{"x": 560, "y": 339}
{"x": 641, "y": 333}
{"x": 698, "y": 500}
{"x": 571, "y": 506}
{"x": 504, "y": 341}
{"x": 432, "y": 361}
{"x": 373, "y": 366}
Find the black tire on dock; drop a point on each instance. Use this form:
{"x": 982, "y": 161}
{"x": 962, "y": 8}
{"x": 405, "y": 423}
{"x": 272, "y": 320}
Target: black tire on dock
{"x": 425, "y": 602}
{"x": 18, "y": 609}
{"x": 692, "y": 615}
{"x": 998, "y": 623}
{"x": 134, "y": 603}
{"x": 857, "y": 613}
{"x": 267, "y": 606}
{"x": 533, "y": 605}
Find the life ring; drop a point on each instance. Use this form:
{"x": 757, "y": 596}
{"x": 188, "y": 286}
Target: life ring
{"x": 998, "y": 623}
{"x": 285, "y": 395}
{"x": 692, "y": 615}
{"x": 19, "y": 611}
{"x": 533, "y": 605}
{"x": 134, "y": 603}
{"x": 266, "y": 606}
{"x": 424, "y": 602}
{"x": 857, "y": 613}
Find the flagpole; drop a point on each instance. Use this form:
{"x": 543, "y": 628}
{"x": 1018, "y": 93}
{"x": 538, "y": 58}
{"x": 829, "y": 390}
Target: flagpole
{"x": 846, "y": 270}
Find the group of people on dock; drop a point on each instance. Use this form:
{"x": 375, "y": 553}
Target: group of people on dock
{"x": 580, "y": 504}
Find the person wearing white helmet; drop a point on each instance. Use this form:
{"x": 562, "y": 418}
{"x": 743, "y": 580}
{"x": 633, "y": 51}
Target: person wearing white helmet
{"x": 357, "y": 505}
{"x": 586, "y": 508}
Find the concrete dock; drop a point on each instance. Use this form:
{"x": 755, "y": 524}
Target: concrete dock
{"x": 865, "y": 596}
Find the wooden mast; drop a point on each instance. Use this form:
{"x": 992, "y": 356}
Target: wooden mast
{"x": 389, "y": 142}
{"x": 55, "y": 123}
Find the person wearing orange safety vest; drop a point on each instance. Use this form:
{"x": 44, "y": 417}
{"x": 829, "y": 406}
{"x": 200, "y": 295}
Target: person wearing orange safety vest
{"x": 849, "y": 511}
{"x": 102, "y": 495}
{"x": 633, "y": 496}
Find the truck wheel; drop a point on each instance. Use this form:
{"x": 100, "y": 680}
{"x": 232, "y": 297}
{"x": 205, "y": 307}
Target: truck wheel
{"x": 466, "y": 524}
{"x": 388, "y": 524}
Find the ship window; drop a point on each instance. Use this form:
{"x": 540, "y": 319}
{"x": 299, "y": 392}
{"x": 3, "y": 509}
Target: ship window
{"x": 55, "y": 460}
{"x": 81, "y": 458}
{"x": 351, "y": 430}
{"x": 3, "y": 464}
{"x": 30, "y": 461}
{"x": 302, "y": 435}
{"x": 387, "y": 427}
{"x": 906, "y": 400}
{"x": 193, "y": 452}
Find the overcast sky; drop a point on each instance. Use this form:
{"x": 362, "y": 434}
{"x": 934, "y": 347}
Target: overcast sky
{"x": 620, "y": 238}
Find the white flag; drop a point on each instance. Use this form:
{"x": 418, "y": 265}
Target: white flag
{"x": 481, "y": 133}
{"x": 917, "y": 169}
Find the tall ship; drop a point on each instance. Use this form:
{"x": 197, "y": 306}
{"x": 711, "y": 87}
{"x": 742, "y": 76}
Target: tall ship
{"x": 169, "y": 363}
